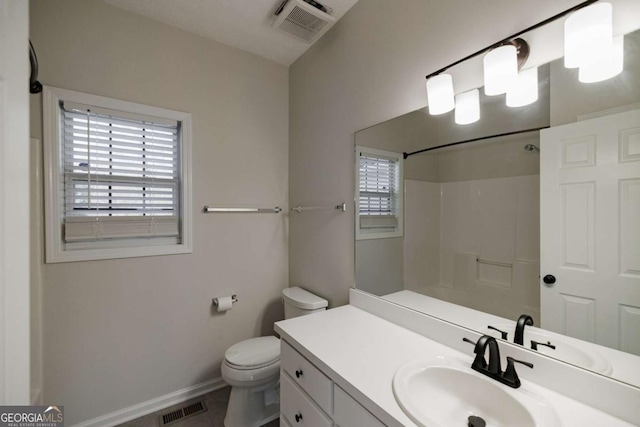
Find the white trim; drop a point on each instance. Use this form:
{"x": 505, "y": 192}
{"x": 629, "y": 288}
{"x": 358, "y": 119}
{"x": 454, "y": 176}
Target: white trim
{"x": 114, "y": 104}
{"x": 610, "y": 111}
{"x": 372, "y": 233}
{"x": 150, "y": 406}
{"x": 14, "y": 205}
{"x": 55, "y": 250}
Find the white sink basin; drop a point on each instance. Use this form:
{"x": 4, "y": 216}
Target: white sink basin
{"x": 564, "y": 350}
{"x": 443, "y": 392}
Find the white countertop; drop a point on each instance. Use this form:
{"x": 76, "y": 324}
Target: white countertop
{"x": 361, "y": 352}
{"x": 625, "y": 366}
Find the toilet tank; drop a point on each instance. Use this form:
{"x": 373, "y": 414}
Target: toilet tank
{"x": 298, "y": 302}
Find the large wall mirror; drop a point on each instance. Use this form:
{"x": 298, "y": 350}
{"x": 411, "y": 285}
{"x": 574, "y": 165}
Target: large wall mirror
{"x": 482, "y": 226}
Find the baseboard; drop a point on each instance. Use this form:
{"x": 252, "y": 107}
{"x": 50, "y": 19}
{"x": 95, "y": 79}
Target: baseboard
{"x": 153, "y": 405}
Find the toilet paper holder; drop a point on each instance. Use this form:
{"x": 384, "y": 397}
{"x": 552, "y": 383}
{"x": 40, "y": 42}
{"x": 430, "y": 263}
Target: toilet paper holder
{"x": 234, "y": 299}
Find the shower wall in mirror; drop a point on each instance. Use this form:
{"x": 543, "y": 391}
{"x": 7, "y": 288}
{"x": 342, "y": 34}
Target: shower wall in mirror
{"x": 480, "y": 228}
{"x": 472, "y": 211}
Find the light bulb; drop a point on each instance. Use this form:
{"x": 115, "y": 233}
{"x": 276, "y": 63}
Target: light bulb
{"x": 500, "y": 69}
{"x": 467, "y": 107}
{"x": 525, "y": 90}
{"x": 588, "y": 34}
{"x": 607, "y": 66}
{"x": 440, "y": 94}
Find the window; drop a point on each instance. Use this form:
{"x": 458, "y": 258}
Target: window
{"x": 378, "y": 194}
{"x": 118, "y": 178}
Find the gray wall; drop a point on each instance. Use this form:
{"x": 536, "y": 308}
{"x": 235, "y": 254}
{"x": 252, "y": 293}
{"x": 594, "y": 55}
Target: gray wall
{"x": 380, "y": 265}
{"x": 571, "y": 99}
{"x": 120, "y": 332}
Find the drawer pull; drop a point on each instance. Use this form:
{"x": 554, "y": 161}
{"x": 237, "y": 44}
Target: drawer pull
{"x": 298, "y": 418}
{"x": 298, "y": 373}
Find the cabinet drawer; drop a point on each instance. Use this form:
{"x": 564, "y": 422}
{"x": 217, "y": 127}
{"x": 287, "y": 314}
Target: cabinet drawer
{"x": 297, "y": 408}
{"x": 308, "y": 377}
{"x": 349, "y": 413}
{"x": 284, "y": 422}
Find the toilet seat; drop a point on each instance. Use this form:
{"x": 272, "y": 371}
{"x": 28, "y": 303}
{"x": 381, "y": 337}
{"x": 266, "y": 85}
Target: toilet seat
{"x": 253, "y": 353}
{"x": 250, "y": 377}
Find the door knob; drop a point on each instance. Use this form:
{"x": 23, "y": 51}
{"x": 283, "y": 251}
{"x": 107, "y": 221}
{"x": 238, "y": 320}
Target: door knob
{"x": 549, "y": 279}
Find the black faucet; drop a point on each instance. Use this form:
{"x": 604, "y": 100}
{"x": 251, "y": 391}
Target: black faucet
{"x": 479, "y": 363}
{"x": 523, "y": 320}
{"x": 492, "y": 369}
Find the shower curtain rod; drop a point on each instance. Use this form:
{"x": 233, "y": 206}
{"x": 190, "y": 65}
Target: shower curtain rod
{"x": 405, "y": 155}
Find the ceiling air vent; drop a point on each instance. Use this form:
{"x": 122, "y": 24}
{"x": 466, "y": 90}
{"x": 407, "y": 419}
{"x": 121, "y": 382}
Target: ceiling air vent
{"x": 303, "y": 21}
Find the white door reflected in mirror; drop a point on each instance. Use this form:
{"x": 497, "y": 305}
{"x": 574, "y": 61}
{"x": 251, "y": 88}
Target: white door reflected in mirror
{"x": 589, "y": 189}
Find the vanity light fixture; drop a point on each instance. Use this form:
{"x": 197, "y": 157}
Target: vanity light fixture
{"x": 588, "y": 35}
{"x": 525, "y": 90}
{"x": 501, "y": 66}
{"x": 500, "y": 69}
{"x": 440, "y": 94}
{"x": 609, "y": 65}
{"x": 582, "y": 41}
{"x": 467, "y": 107}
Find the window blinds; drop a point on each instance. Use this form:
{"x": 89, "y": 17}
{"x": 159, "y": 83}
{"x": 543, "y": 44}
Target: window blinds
{"x": 378, "y": 192}
{"x": 121, "y": 175}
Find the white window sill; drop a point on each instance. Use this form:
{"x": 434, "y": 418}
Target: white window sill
{"x": 115, "y": 253}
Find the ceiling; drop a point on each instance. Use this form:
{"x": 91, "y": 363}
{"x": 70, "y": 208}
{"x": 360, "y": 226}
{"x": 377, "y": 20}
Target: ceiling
{"x": 244, "y": 24}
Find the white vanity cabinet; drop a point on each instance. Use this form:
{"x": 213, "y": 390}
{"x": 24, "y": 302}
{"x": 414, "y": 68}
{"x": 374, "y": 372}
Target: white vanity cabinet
{"x": 347, "y": 412}
{"x": 309, "y": 398}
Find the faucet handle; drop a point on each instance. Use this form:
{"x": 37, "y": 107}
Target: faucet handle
{"x": 503, "y": 333}
{"x": 510, "y": 375}
{"x": 535, "y": 344}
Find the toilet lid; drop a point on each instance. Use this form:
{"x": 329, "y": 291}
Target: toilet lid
{"x": 254, "y": 352}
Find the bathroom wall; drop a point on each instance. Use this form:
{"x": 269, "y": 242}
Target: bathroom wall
{"x": 369, "y": 68}
{"x": 380, "y": 265}
{"x": 120, "y": 332}
{"x": 421, "y": 242}
{"x": 570, "y": 99}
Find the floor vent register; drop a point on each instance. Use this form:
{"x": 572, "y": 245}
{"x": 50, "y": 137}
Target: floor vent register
{"x": 180, "y": 414}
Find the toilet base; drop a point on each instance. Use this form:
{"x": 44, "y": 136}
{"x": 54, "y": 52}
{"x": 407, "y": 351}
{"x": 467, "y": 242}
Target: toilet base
{"x": 253, "y": 407}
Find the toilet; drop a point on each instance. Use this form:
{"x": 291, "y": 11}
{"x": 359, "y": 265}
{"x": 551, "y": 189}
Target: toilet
{"x": 252, "y": 367}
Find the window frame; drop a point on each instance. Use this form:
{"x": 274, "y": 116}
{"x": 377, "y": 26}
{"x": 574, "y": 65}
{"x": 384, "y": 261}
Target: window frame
{"x": 398, "y": 231}
{"x": 54, "y": 185}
